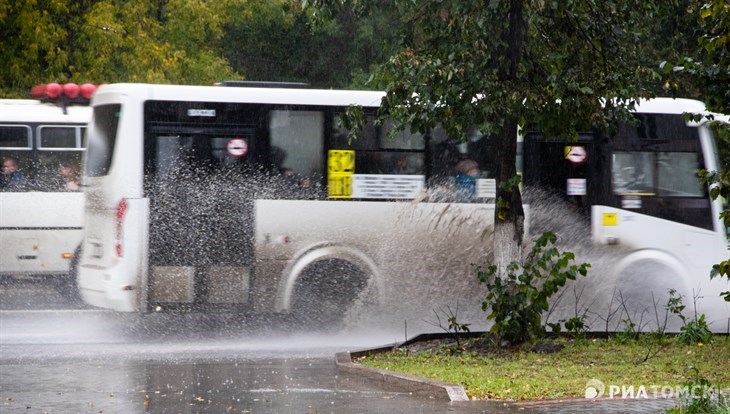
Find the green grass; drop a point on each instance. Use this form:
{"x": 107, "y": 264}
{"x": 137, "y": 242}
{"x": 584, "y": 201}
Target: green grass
{"x": 522, "y": 374}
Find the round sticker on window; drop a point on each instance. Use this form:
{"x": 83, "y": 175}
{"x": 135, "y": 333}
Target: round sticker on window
{"x": 237, "y": 147}
{"x": 575, "y": 154}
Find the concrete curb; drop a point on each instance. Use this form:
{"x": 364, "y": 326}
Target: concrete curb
{"x": 409, "y": 383}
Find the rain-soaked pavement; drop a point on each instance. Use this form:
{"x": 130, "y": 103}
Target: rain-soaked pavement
{"x": 57, "y": 356}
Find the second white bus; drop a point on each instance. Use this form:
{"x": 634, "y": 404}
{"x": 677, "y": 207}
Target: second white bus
{"x": 41, "y": 217}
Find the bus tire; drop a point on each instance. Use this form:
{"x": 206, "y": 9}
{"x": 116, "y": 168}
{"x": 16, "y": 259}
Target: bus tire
{"x": 68, "y": 285}
{"x": 642, "y": 290}
{"x": 325, "y": 291}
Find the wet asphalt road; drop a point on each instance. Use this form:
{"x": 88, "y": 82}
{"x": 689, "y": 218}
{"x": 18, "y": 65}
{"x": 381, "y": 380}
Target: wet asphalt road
{"x": 58, "y": 356}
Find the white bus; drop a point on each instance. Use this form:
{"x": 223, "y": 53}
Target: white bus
{"x": 652, "y": 223}
{"x": 41, "y": 213}
{"x": 254, "y": 198}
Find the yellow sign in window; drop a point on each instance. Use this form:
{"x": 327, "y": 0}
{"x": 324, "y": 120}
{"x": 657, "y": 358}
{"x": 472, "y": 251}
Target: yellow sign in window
{"x": 339, "y": 185}
{"x": 610, "y": 219}
{"x": 340, "y": 168}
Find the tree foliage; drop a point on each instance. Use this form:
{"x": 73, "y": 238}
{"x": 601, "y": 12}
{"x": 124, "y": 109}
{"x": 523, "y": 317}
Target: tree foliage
{"x": 279, "y": 41}
{"x": 708, "y": 64}
{"x": 557, "y": 66}
{"x": 187, "y": 42}
{"x": 163, "y": 41}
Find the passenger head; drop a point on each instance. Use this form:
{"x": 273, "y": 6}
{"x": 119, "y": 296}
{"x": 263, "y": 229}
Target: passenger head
{"x": 68, "y": 170}
{"x": 467, "y": 167}
{"x": 10, "y": 165}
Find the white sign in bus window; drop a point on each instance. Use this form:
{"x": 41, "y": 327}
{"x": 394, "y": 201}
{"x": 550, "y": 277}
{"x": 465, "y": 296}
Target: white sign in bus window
{"x": 577, "y": 186}
{"x": 201, "y": 112}
{"x": 387, "y": 186}
{"x": 631, "y": 202}
{"x": 486, "y": 188}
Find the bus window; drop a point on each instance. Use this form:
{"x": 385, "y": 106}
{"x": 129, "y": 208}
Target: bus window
{"x": 59, "y": 158}
{"x": 106, "y": 119}
{"x": 14, "y": 137}
{"x": 297, "y": 138}
{"x": 15, "y": 148}
{"x": 384, "y": 167}
{"x": 663, "y": 174}
{"x": 462, "y": 170}
{"x": 376, "y": 153}
{"x": 58, "y": 137}
{"x": 633, "y": 173}
{"x": 677, "y": 175}
{"x": 404, "y": 140}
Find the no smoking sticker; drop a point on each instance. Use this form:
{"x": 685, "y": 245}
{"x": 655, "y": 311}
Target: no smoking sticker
{"x": 237, "y": 147}
{"x": 575, "y": 153}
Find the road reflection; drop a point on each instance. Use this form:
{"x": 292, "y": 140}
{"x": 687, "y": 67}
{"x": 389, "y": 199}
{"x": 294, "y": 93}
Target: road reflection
{"x": 105, "y": 362}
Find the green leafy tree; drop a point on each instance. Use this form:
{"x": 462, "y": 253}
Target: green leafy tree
{"x": 279, "y": 41}
{"x": 709, "y": 67}
{"x": 29, "y": 39}
{"x": 508, "y": 64}
{"x": 163, "y": 41}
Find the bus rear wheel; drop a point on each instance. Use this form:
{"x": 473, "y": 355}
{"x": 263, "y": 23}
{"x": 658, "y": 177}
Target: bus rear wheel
{"x": 325, "y": 291}
{"x": 67, "y": 285}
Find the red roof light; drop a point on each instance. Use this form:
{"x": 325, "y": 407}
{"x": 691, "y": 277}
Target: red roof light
{"x": 87, "y": 90}
{"x": 53, "y": 90}
{"x": 71, "y": 90}
{"x": 66, "y": 95}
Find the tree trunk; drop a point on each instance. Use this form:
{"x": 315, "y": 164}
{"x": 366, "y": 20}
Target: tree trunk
{"x": 509, "y": 216}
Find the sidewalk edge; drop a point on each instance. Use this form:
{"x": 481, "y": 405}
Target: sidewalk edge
{"x": 409, "y": 383}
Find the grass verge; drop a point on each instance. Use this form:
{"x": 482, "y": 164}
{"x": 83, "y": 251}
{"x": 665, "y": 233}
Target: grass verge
{"x": 521, "y": 374}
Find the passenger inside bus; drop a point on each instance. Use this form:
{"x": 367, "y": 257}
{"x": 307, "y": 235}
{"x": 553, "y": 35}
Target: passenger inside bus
{"x": 467, "y": 172}
{"x": 402, "y": 165}
{"x": 69, "y": 173}
{"x": 12, "y": 179}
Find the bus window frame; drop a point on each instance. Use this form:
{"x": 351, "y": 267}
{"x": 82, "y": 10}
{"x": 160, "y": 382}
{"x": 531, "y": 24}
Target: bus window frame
{"x": 78, "y": 137}
{"x": 29, "y": 138}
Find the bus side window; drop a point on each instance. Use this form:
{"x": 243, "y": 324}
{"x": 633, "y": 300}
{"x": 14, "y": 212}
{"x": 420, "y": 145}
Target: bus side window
{"x": 297, "y": 140}
{"x": 377, "y": 153}
{"x": 15, "y": 148}
{"x": 59, "y": 160}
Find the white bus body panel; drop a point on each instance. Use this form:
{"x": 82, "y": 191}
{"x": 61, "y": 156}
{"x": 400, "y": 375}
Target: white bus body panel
{"x": 33, "y": 111}
{"x": 106, "y": 280}
{"x": 690, "y": 252}
{"x": 38, "y": 228}
{"x": 433, "y": 246}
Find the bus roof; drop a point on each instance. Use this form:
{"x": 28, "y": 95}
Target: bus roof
{"x": 676, "y": 106}
{"x": 316, "y": 97}
{"x": 30, "y": 110}
{"x": 292, "y": 96}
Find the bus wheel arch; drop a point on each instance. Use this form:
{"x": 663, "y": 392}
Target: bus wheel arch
{"x": 643, "y": 279}
{"x": 356, "y": 274}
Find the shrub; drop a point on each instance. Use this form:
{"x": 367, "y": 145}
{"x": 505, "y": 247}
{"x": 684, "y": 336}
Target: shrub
{"x": 519, "y": 294}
